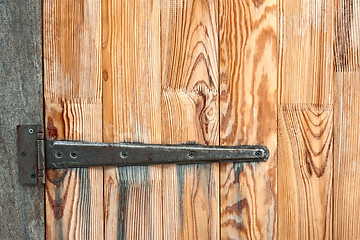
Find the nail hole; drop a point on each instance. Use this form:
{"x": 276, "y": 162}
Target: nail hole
{"x": 259, "y": 153}
{"x": 33, "y": 175}
{"x": 59, "y": 155}
{"x": 123, "y": 154}
{"x": 73, "y": 154}
{"x": 23, "y": 154}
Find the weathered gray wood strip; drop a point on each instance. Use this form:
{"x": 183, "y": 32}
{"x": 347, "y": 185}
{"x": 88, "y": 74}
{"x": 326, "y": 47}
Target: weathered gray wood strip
{"x": 21, "y": 207}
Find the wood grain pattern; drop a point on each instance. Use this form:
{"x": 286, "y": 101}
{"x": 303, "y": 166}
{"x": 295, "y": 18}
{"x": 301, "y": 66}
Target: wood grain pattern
{"x": 305, "y": 51}
{"x": 305, "y": 179}
{"x": 212, "y": 72}
{"x": 161, "y": 92}
{"x": 347, "y": 42}
{"x": 346, "y": 120}
{"x": 73, "y": 110}
{"x": 305, "y": 119}
{"x": 132, "y": 112}
{"x": 189, "y": 53}
{"x": 346, "y": 156}
{"x": 248, "y": 97}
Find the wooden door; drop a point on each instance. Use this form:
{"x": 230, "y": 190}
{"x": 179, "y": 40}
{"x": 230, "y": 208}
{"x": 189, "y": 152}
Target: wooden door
{"x": 215, "y": 72}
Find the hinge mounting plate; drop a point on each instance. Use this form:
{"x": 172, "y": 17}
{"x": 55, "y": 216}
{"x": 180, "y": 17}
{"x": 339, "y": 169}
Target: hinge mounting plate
{"x": 37, "y": 154}
{"x": 31, "y": 154}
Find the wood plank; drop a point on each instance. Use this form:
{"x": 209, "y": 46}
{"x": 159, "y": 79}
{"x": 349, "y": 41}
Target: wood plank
{"x": 248, "y": 97}
{"x": 346, "y": 120}
{"x": 172, "y": 102}
{"x": 305, "y": 51}
{"x": 305, "y": 119}
{"x": 346, "y": 156}
{"x": 132, "y": 112}
{"x": 22, "y": 214}
{"x": 305, "y": 178}
{"x": 189, "y": 53}
{"x": 73, "y": 110}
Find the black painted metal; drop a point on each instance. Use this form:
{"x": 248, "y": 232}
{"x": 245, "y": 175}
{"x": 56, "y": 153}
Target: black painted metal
{"x": 73, "y": 154}
{"x": 41, "y": 154}
{"x": 27, "y": 136}
{"x": 65, "y": 154}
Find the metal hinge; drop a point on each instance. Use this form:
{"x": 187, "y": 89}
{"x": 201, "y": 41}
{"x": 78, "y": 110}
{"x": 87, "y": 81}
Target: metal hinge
{"x": 37, "y": 154}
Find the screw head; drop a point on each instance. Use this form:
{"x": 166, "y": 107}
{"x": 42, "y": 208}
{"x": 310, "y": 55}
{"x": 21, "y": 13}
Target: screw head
{"x": 31, "y": 131}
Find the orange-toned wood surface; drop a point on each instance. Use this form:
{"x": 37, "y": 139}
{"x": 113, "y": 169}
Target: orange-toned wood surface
{"x": 132, "y": 113}
{"x": 73, "y": 110}
{"x": 160, "y": 76}
{"x": 305, "y": 126}
{"x": 189, "y": 71}
{"x": 248, "y": 97}
{"x": 229, "y": 72}
{"x": 305, "y": 179}
{"x": 346, "y": 120}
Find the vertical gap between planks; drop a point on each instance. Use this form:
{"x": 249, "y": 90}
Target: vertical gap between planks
{"x": 278, "y": 87}
{"x": 219, "y": 114}
{"x": 43, "y": 99}
{"x": 102, "y": 112}
{"x": 161, "y": 114}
